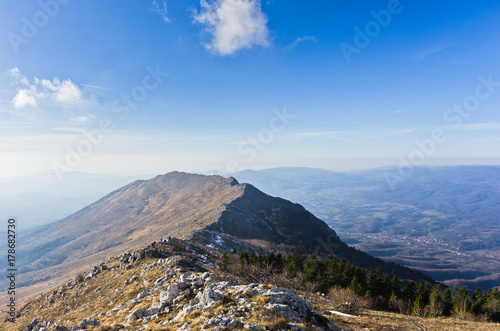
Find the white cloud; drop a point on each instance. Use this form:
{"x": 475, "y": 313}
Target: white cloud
{"x": 234, "y": 25}
{"x": 23, "y": 99}
{"x": 14, "y": 72}
{"x": 299, "y": 41}
{"x": 68, "y": 92}
{"x": 62, "y": 92}
{"x": 160, "y": 7}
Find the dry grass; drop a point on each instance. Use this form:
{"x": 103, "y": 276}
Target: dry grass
{"x": 261, "y": 300}
{"x": 376, "y": 320}
{"x": 380, "y": 320}
{"x": 70, "y": 310}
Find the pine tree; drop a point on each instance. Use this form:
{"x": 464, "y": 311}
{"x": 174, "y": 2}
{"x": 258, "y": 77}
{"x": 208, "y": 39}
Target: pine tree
{"x": 311, "y": 269}
{"x": 423, "y": 291}
{"x": 477, "y": 302}
{"x": 447, "y": 302}
{"x": 394, "y": 284}
{"x": 329, "y": 274}
{"x": 418, "y": 306}
{"x": 294, "y": 265}
{"x": 436, "y": 304}
{"x": 461, "y": 302}
{"x": 376, "y": 282}
{"x": 224, "y": 262}
{"x": 252, "y": 257}
{"x": 260, "y": 259}
{"x": 347, "y": 274}
{"x": 244, "y": 259}
{"x": 361, "y": 278}
{"x": 409, "y": 291}
{"x": 355, "y": 286}
{"x": 341, "y": 276}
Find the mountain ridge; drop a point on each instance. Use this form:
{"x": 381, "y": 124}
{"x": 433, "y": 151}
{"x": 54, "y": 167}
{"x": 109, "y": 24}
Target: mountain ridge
{"x": 212, "y": 210}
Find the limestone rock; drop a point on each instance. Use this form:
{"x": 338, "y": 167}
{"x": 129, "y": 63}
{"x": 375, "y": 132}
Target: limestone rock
{"x": 89, "y": 321}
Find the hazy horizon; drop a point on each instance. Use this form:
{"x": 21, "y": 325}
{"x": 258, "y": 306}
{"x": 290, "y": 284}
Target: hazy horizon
{"x": 337, "y": 168}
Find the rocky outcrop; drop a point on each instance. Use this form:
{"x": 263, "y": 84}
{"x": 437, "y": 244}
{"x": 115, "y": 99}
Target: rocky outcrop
{"x": 90, "y": 321}
{"x": 176, "y": 294}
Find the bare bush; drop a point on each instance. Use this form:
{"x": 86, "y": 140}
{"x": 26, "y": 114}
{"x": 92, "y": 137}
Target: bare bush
{"x": 419, "y": 323}
{"x": 404, "y": 307}
{"x": 256, "y": 274}
{"x": 310, "y": 288}
{"x": 292, "y": 283}
{"x": 346, "y": 301}
{"x": 461, "y": 311}
{"x": 400, "y": 305}
{"x": 177, "y": 244}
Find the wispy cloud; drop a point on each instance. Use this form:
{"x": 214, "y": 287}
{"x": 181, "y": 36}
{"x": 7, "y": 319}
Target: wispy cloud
{"x": 100, "y": 88}
{"x": 30, "y": 93}
{"x": 350, "y": 135}
{"x": 480, "y": 126}
{"x": 233, "y": 24}
{"x": 73, "y": 130}
{"x": 33, "y": 143}
{"x": 489, "y": 139}
{"x": 83, "y": 118}
{"x": 160, "y": 7}
{"x": 321, "y": 134}
{"x": 399, "y": 132}
{"x": 299, "y": 41}
{"x": 424, "y": 54}
{"x": 17, "y": 113}
{"x": 296, "y": 136}
{"x": 344, "y": 136}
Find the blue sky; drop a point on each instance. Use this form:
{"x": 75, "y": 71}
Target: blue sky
{"x": 246, "y": 84}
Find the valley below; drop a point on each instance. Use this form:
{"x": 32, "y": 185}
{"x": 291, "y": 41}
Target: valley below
{"x": 443, "y": 221}
{"x": 444, "y": 248}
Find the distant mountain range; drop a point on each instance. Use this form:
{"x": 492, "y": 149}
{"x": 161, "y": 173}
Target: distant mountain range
{"x": 443, "y": 221}
{"x": 211, "y": 211}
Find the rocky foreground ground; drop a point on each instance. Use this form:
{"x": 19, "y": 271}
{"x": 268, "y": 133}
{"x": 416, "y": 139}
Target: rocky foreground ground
{"x": 166, "y": 289}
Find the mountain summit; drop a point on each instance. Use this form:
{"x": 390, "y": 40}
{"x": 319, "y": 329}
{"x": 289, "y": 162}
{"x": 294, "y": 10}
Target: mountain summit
{"x": 210, "y": 210}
